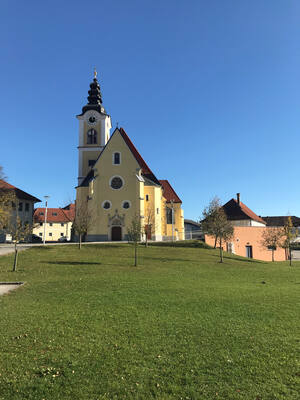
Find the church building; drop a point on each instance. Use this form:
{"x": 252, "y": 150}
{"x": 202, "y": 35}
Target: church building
{"x": 115, "y": 185}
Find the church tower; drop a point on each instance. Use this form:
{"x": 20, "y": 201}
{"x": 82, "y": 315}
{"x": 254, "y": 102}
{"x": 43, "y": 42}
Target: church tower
{"x": 94, "y": 130}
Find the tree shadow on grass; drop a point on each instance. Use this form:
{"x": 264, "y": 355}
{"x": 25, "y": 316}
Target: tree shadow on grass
{"x": 163, "y": 259}
{"x": 72, "y": 263}
{"x": 248, "y": 260}
{"x": 43, "y": 248}
{"x": 85, "y": 245}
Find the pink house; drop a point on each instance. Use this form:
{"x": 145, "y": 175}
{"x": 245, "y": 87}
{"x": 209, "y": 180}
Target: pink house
{"x": 248, "y": 231}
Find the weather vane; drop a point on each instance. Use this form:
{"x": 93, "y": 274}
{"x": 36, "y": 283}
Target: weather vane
{"x": 95, "y": 73}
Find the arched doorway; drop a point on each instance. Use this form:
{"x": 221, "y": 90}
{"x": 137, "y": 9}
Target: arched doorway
{"x": 116, "y": 233}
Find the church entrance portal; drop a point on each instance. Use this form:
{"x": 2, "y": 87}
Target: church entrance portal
{"x": 116, "y": 233}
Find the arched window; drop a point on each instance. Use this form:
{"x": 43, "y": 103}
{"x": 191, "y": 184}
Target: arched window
{"x": 126, "y": 204}
{"x": 92, "y": 136}
{"x": 116, "y": 158}
{"x": 106, "y": 205}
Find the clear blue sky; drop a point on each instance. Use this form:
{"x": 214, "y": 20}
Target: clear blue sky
{"x": 207, "y": 90}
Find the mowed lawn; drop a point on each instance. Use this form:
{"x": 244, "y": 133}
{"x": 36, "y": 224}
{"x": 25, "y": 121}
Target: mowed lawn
{"x": 89, "y": 325}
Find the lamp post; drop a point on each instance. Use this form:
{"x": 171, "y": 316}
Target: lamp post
{"x": 45, "y": 220}
{"x": 172, "y": 205}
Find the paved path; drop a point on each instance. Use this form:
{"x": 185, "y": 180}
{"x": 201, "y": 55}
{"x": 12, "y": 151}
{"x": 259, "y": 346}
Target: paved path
{"x": 10, "y": 248}
{"x": 6, "y": 248}
{"x": 6, "y": 287}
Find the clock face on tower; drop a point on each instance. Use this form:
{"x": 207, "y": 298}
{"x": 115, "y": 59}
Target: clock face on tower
{"x": 91, "y": 118}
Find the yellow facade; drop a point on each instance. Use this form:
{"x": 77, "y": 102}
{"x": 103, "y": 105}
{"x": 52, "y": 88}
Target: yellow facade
{"x": 144, "y": 196}
{"x": 55, "y": 231}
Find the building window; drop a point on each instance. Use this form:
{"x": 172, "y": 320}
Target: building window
{"x": 41, "y": 224}
{"x": 106, "y": 205}
{"x": 54, "y": 214}
{"x": 117, "y": 158}
{"x": 61, "y": 234}
{"x": 249, "y": 252}
{"x": 169, "y": 216}
{"x": 272, "y": 247}
{"x": 92, "y": 163}
{"x": 40, "y": 234}
{"x": 147, "y": 197}
{"x": 41, "y": 213}
{"x": 126, "y": 204}
{"x": 50, "y": 224}
{"x": 157, "y": 211}
{"x": 92, "y": 136}
{"x": 27, "y": 207}
{"x": 20, "y": 206}
{"x": 62, "y": 224}
{"x": 50, "y": 233}
{"x": 116, "y": 182}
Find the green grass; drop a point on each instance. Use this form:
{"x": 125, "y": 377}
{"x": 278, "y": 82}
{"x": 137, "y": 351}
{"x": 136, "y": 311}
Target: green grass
{"x": 88, "y": 325}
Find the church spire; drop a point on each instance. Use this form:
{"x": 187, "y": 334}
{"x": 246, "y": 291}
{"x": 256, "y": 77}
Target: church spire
{"x": 94, "y": 97}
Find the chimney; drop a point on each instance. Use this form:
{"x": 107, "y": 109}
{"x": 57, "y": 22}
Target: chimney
{"x": 238, "y": 195}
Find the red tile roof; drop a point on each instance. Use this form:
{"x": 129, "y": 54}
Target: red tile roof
{"x": 19, "y": 193}
{"x": 236, "y": 211}
{"x": 146, "y": 171}
{"x": 168, "y": 192}
{"x": 69, "y": 210}
{"x": 62, "y": 215}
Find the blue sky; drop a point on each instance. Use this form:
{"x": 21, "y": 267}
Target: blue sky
{"x": 207, "y": 90}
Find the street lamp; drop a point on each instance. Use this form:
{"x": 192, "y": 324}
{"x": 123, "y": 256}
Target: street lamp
{"x": 45, "y": 220}
{"x": 172, "y": 205}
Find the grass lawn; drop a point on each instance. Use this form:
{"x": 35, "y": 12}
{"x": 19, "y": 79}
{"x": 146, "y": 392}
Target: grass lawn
{"x": 88, "y": 325}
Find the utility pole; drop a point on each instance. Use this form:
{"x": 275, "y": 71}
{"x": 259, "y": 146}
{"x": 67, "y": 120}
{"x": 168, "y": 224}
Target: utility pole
{"x": 45, "y": 220}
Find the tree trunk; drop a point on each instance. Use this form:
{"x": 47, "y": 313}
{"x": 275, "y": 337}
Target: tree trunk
{"x": 16, "y": 258}
{"x": 79, "y": 243}
{"x": 221, "y": 251}
{"x": 135, "y": 254}
{"x": 216, "y": 239}
{"x": 290, "y": 254}
{"x": 272, "y": 255}
{"x": 146, "y": 242}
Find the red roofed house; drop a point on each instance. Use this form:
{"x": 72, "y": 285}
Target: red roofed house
{"x": 248, "y": 231}
{"x": 24, "y": 207}
{"x": 115, "y": 184}
{"x": 58, "y": 225}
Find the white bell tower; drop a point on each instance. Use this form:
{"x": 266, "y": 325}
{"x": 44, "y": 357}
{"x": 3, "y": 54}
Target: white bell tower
{"x": 94, "y": 130}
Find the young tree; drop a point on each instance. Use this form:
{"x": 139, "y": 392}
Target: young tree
{"x": 209, "y": 221}
{"x": 134, "y": 232}
{"x": 19, "y": 231}
{"x": 82, "y": 222}
{"x": 10, "y": 222}
{"x": 7, "y": 200}
{"x": 272, "y": 238}
{"x": 149, "y": 224}
{"x": 215, "y": 224}
{"x": 289, "y": 235}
